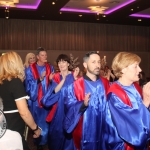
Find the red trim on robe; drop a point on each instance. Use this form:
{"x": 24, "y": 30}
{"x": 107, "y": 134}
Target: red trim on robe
{"x": 36, "y": 76}
{"x": 54, "y": 107}
{"x": 79, "y": 91}
{"x": 117, "y": 90}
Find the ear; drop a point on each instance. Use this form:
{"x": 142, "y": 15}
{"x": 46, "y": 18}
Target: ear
{"x": 85, "y": 65}
{"x": 124, "y": 70}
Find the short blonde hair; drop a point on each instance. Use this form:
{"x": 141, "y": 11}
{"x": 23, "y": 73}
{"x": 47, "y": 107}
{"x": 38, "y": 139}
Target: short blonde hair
{"x": 123, "y": 60}
{"x": 11, "y": 66}
{"x": 26, "y": 64}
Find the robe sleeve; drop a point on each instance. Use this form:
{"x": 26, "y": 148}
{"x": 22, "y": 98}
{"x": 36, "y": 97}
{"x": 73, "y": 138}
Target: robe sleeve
{"x": 132, "y": 124}
{"x": 72, "y": 107}
{"x": 31, "y": 85}
{"x": 50, "y": 98}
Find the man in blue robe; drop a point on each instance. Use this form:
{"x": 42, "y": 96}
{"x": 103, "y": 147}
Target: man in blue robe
{"x": 85, "y": 103}
{"x": 36, "y": 84}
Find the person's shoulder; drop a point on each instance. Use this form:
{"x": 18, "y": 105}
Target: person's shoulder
{"x": 16, "y": 80}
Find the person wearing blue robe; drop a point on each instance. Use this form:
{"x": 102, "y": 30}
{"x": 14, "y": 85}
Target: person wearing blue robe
{"x": 54, "y": 100}
{"x": 127, "y": 115}
{"x": 85, "y": 103}
{"x": 36, "y": 84}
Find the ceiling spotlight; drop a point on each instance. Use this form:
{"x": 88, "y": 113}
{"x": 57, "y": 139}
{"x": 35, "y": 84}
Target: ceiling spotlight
{"x": 80, "y": 15}
{"x": 131, "y": 9}
{"x": 97, "y": 16}
{"x": 7, "y": 12}
{"x": 104, "y": 15}
{"x": 53, "y": 3}
{"x": 60, "y": 12}
{"x": 139, "y": 19}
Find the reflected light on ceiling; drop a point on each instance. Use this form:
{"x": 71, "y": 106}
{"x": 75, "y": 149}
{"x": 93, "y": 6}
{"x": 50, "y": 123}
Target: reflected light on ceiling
{"x": 140, "y": 15}
{"x": 106, "y": 12}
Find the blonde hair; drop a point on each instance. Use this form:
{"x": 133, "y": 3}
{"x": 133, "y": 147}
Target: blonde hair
{"x": 11, "y": 66}
{"x": 123, "y": 60}
{"x": 26, "y": 64}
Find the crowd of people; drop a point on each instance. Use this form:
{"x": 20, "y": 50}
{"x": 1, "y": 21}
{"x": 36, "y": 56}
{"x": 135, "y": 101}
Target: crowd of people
{"x": 95, "y": 109}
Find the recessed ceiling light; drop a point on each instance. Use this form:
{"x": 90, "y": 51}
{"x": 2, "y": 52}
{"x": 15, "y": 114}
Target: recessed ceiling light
{"x": 131, "y": 9}
{"x": 80, "y": 15}
{"x": 137, "y": 6}
{"x": 53, "y": 3}
{"x": 60, "y": 12}
{"x": 139, "y": 19}
{"x": 104, "y": 15}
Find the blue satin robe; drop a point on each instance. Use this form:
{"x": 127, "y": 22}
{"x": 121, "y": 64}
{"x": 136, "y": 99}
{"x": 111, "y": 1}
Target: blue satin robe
{"x": 58, "y": 139}
{"x": 126, "y": 124}
{"x": 39, "y": 114}
{"x": 93, "y": 116}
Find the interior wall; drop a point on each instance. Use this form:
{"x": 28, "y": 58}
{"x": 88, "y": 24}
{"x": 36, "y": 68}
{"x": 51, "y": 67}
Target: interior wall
{"x": 58, "y": 37}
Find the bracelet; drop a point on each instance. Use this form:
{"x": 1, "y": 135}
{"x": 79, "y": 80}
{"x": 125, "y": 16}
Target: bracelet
{"x": 37, "y": 127}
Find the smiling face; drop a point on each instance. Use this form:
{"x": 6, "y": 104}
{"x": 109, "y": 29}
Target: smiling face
{"x": 131, "y": 73}
{"x": 63, "y": 65}
{"x": 93, "y": 64}
{"x": 42, "y": 57}
{"x": 32, "y": 59}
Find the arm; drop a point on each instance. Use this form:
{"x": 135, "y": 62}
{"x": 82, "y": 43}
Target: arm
{"x": 134, "y": 122}
{"x": 74, "y": 109}
{"x": 27, "y": 117}
{"x": 31, "y": 85}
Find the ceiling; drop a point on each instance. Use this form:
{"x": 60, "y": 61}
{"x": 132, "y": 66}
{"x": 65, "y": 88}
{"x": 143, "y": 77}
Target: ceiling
{"x": 126, "y": 12}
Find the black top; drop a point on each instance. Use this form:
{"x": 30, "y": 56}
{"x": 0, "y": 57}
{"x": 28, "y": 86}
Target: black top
{"x": 11, "y": 90}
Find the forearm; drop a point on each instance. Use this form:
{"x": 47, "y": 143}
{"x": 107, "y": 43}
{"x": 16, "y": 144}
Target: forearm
{"x": 28, "y": 119}
{"x": 59, "y": 86}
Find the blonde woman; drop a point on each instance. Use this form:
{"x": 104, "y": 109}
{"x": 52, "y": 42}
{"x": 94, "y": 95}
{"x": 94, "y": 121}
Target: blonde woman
{"x": 14, "y": 96}
{"x": 30, "y": 59}
{"x": 128, "y": 106}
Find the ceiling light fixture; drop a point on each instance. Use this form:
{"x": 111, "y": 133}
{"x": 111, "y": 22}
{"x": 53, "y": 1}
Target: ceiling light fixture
{"x": 53, "y": 3}
{"x": 8, "y": 3}
{"x": 98, "y": 9}
{"x": 108, "y": 11}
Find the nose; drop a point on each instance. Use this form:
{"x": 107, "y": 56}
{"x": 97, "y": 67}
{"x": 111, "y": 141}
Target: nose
{"x": 140, "y": 69}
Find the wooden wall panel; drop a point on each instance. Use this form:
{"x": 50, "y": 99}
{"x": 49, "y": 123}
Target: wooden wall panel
{"x": 55, "y": 35}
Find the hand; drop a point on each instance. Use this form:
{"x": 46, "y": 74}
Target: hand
{"x": 146, "y": 94}
{"x": 43, "y": 75}
{"x": 51, "y": 76}
{"x": 76, "y": 72}
{"x": 86, "y": 99}
{"x": 37, "y": 133}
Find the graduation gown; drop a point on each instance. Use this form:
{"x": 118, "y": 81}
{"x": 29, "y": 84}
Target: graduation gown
{"x": 58, "y": 139}
{"x": 128, "y": 123}
{"x": 36, "y": 90}
{"x": 89, "y": 120}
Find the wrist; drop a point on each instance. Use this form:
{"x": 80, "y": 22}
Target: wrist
{"x": 37, "y": 127}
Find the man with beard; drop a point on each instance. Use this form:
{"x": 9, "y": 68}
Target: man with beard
{"x": 37, "y": 80}
{"x": 85, "y": 104}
